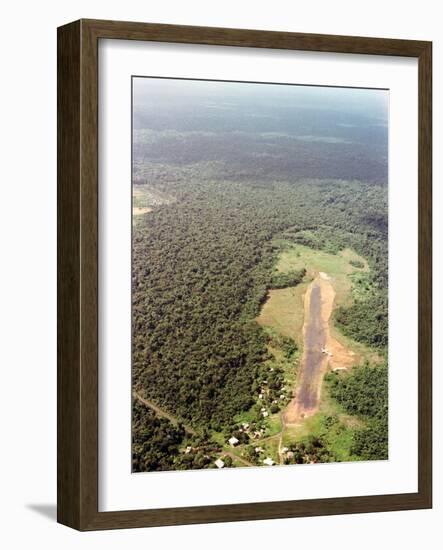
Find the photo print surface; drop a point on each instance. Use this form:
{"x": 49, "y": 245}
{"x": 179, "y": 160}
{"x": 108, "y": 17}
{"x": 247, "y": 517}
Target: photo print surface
{"x": 259, "y": 274}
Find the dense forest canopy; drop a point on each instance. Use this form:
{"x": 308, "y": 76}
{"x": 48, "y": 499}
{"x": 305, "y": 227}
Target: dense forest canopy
{"x": 365, "y": 394}
{"x": 230, "y": 174}
{"x": 262, "y": 131}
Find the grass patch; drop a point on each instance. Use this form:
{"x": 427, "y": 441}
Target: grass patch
{"x": 273, "y": 424}
{"x": 283, "y": 312}
{"x": 337, "y": 266}
{"x": 270, "y": 448}
{"x": 218, "y": 437}
{"x": 330, "y": 425}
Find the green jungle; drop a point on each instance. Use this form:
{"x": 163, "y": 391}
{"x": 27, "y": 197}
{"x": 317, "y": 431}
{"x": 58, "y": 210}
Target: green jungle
{"x": 219, "y": 203}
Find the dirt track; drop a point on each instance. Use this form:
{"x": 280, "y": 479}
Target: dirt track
{"x": 162, "y": 413}
{"x": 318, "y": 304}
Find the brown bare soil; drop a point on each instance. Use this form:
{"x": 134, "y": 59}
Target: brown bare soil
{"x": 321, "y": 352}
{"x": 139, "y": 210}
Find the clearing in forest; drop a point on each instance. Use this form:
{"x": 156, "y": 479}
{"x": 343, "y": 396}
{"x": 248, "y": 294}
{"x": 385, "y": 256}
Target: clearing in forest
{"x": 283, "y": 310}
{"x": 304, "y": 313}
{"x": 139, "y": 210}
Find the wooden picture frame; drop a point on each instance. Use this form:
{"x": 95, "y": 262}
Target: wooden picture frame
{"x": 78, "y": 274}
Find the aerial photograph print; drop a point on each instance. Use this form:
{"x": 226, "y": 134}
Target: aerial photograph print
{"x": 259, "y": 274}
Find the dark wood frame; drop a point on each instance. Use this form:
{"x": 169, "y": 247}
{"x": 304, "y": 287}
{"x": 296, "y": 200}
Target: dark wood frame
{"x": 77, "y": 457}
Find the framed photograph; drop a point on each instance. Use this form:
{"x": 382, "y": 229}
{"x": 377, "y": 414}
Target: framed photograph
{"x": 244, "y": 274}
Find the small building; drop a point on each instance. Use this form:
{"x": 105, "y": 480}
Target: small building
{"x": 188, "y": 449}
{"x": 233, "y": 441}
{"x": 260, "y": 396}
{"x": 219, "y": 463}
{"x": 258, "y": 450}
{"x": 245, "y": 426}
{"x": 265, "y": 414}
{"x": 268, "y": 461}
{"x": 284, "y": 450}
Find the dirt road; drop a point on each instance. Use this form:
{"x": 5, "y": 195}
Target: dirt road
{"x": 160, "y": 412}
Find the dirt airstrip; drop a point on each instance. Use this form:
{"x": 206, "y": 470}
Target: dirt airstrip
{"x": 321, "y": 351}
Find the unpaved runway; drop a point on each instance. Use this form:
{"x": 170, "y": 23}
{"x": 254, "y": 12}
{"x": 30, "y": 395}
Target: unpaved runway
{"x": 314, "y": 341}
{"x": 319, "y": 299}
